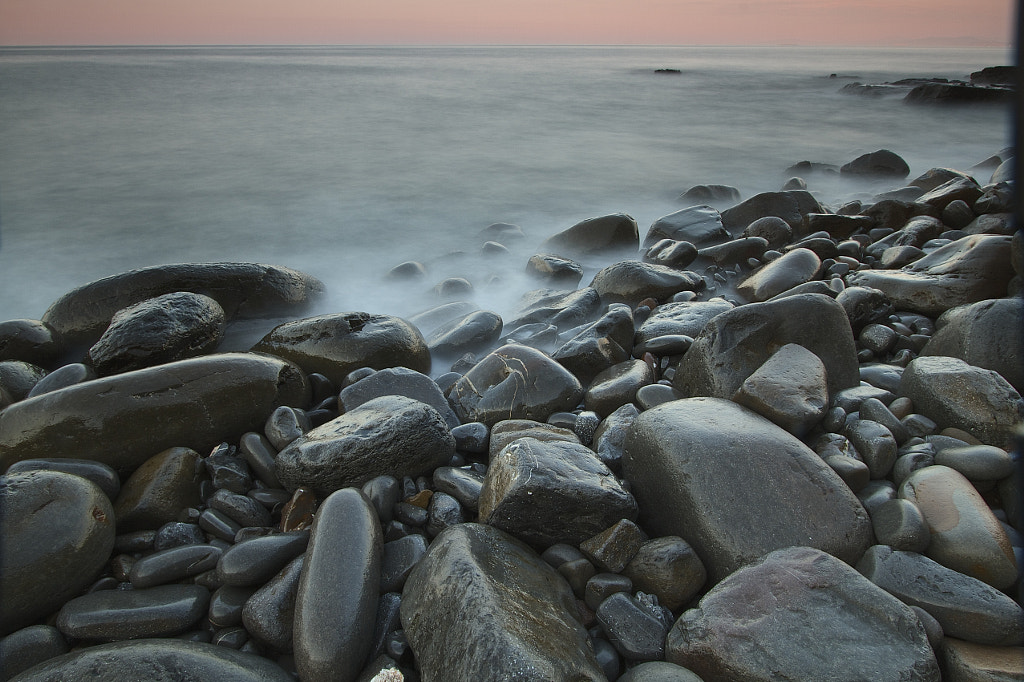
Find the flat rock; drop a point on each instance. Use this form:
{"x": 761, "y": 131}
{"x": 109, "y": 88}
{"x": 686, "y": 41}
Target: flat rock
{"x": 563, "y": 309}
{"x": 550, "y": 492}
{"x": 196, "y": 403}
{"x": 478, "y": 584}
{"x": 397, "y": 381}
{"x": 970, "y": 662}
{"x": 158, "y": 490}
{"x": 599, "y": 345}
{"x": 631, "y": 281}
{"x": 472, "y": 333}
{"x": 391, "y": 435}
{"x": 800, "y": 614}
{"x": 790, "y": 389}
{"x": 690, "y": 461}
{"x": 795, "y": 268}
{"x": 514, "y": 382}
{"x": 243, "y": 290}
{"x": 334, "y": 345}
{"x": 953, "y": 393}
{"x": 111, "y": 615}
{"x": 336, "y": 603}
{"x": 617, "y": 386}
{"x": 58, "y": 533}
{"x": 698, "y": 225}
{"x": 683, "y": 318}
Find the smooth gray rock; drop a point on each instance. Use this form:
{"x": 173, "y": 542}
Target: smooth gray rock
{"x": 688, "y": 462}
{"x": 631, "y": 281}
{"x": 613, "y": 548}
{"x": 463, "y": 484}
{"x": 62, "y": 377}
{"x": 548, "y": 492}
{"x": 269, "y": 613}
{"x": 391, "y": 435}
{"x": 699, "y": 225}
{"x": 58, "y": 533}
{"x": 398, "y": 558}
{"x": 864, "y": 306}
{"x": 475, "y": 332}
{"x": 875, "y": 445}
{"x": 514, "y": 382}
{"x": 111, "y": 615}
{"x": 159, "y": 489}
{"x": 97, "y": 472}
{"x": 670, "y": 253}
{"x": 18, "y": 378}
{"x": 554, "y": 270}
{"x": 29, "y": 646}
{"x": 241, "y": 509}
{"x": 613, "y": 233}
{"x": 776, "y": 231}
{"x": 29, "y": 341}
{"x": 509, "y": 430}
{"x": 796, "y": 267}
{"x": 800, "y": 614}
{"x": 563, "y": 309}
{"x": 633, "y": 631}
{"x": 978, "y": 463}
{"x": 791, "y": 206}
{"x": 900, "y": 524}
{"x": 193, "y": 403}
{"x": 599, "y": 345}
{"x": 334, "y": 345}
{"x": 254, "y": 561}
{"x": 659, "y": 671}
{"x": 173, "y": 564}
{"x": 790, "y": 389}
{"x": 336, "y": 604}
{"x": 879, "y": 164}
{"x": 611, "y": 433}
{"x": 284, "y": 425}
{"x": 734, "y": 251}
{"x": 157, "y": 660}
{"x": 617, "y": 386}
{"x": 477, "y": 584}
{"x": 965, "y": 607}
{"x": 397, "y": 381}
{"x": 681, "y": 318}
{"x": 668, "y": 568}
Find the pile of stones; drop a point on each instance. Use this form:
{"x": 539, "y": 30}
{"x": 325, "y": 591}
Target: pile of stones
{"x": 774, "y": 441}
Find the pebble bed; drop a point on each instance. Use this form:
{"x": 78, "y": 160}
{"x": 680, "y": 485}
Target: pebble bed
{"x": 771, "y": 441}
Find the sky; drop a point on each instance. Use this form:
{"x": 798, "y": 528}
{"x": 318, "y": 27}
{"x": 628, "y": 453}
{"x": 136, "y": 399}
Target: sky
{"x": 573, "y": 22}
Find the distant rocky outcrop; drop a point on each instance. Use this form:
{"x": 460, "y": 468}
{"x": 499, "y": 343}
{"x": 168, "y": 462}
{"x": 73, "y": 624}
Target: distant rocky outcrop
{"x": 991, "y": 85}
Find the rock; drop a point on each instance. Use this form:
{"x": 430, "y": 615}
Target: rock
{"x": 965, "y": 271}
{"x": 791, "y": 206}
{"x": 711, "y": 193}
{"x": 681, "y": 318}
{"x": 475, "y": 332}
{"x": 969, "y": 662}
{"x": 900, "y": 524}
{"x": 563, "y": 309}
{"x": 613, "y": 233}
{"x": 514, "y": 382}
{"x": 461, "y": 483}
{"x": 171, "y": 327}
{"x": 391, "y": 435}
{"x": 193, "y": 403}
{"x": 157, "y": 660}
{"x": 875, "y": 444}
{"x": 633, "y": 630}
{"x": 794, "y": 268}
{"x": 509, "y": 430}
{"x": 965, "y": 607}
{"x": 611, "y": 433}
{"x": 334, "y": 345}
{"x": 613, "y": 548}
{"x": 965, "y": 535}
{"x": 58, "y": 533}
{"x": 30, "y": 646}
{"x": 668, "y": 568}
{"x": 953, "y": 393}
{"x": 631, "y": 281}
{"x": 111, "y": 615}
{"x": 659, "y": 671}
{"x": 790, "y": 389}
{"x": 18, "y": 378}
{"x": 880, "y": 164}
{"x": 409, "y": 270}
{"x": 957, "y": 94}
{"x": 158, "y": 490}
{"x": 62, "y": 377}
{"x": 477, "y": 584}
{"x": 269, "y": 613}
{"x": 700, "y": 453}
{"x": 336, "y": 604}
{"x": 548, "y": 492}
{"x": 173, "y": 564}
{"x": 978, "y": 463}
{"x": 864, "y": 306}
{"x": 599, "y": 345}
{"x": 734, "y": 344}
{"x": 670, "y": 253}
{"x": 961, "y": 188}
{"x": 29, "y": 341}
{"x": 397, "y": 381}
{"x": 734, "y": 251}
{"x": 698, "y": 225}
{"x": 984, "y": 334}
{"x": 243, "y": 290}
{"x": 100, "y": 474}
{"x": 617, "y": 386}
{"x": 555, "y": 271}
{"x": 800, "y": 614}
{"x": 837, "y": 226}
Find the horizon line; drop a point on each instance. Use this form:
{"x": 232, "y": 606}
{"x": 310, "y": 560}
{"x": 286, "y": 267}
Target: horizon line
{"x": 920, "y": 44}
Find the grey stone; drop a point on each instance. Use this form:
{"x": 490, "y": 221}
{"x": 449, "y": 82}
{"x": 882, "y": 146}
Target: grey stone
{"x": 284, "y": 425}
{"x": 398, "y": 558}
{"x": 899, "y": 524}
{"x": 796, "y": 267}
{"x": 255, "y": 561}
{"x": 613, "y": 548}
{"x": 599, "y": 345}
{"x": 462, "y": 483}
{"x": 471, "y": 437}
{"x": 111, "y": 615}
{"x": 875, "y": 445}
{"x": 473, "y": 333}
{"x": 699, "y": 225}
{"x": 158, "y": 490}
{"x": 969, "y": 662}
{"x": 62, "y": 377}
{"x": 961, "y": 188}
{"x": 29, "y": 341}
{"x": 443, "y": 511}
{"x": 864, "y": 305}
{"x": 659, "y": 671}
{"x": 600, "y": 586}
{"x": 173, "y": 564}
{"x": 670, "y": 253}
{"x": 875, "y": 410}
{"x": 259, "y": 453}
{"x": 563, "y": 309}
{"x": 776, "y": 231}
{"x": 791, "y": 206}
{"x": 881, "y": 164}
{"x": 226, "y": 605}
{"x": 97, "y": 472}
{"x": 554, "y": 270}
{"x": 653, "y": 395}
{"x": 631, "y": 281}
{"x": 734, "y": 251}
{"x": 477, "y": 584}
{"x": 18, "y": 378}
{"x": 617, "y": 386}
{"x": 269, "y": 613}
{"x": 977, "y": 462}
{"x": 513, "y": 429}
{"x": 631, "y": 629}
{"x": 668, "y": 568}
{"x": 611, "y": 434}
{"x": 29, "y": 646}
{"x": 606, "y": 234}
{"x": 397, "y": 381}
{"x": 790, "y": 389}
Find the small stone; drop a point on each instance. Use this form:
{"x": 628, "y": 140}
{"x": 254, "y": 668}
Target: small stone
{"x": 790, "y": 389}
{"x": 284, "y": 425}
{"x": 398, "y": 559}
{"x": 977, "y": 462}
{"x": 131, "y": 614}
{"x": 254, "y": 561}
{"x": 171, "y": 565}
{"x": 297, "y": 513}
{"x": 269, "y": 612}
{"x": 612, "y": 549}
{"x": 631, "y": 629}
{"x": 900, "y": 524}
{"x": 668, "y": 568}
{"x": 875, "y": 444}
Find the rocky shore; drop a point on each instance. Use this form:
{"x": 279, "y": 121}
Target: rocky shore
{"x": 772, "y": 441}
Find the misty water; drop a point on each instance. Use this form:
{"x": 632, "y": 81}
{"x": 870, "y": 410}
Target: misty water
{"x": 344, "y": 162}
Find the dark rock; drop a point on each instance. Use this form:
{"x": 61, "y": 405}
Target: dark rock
{"x": 555, "y": 271}
{"x": 477, "y": 584}
{"x": 611, "y": 433}
{"x": 631, "y": 281}
{"x": 659, "y": 671}
{"x": 961, "y": 188}
{"x": 259, "y": 454}
{"x": 174, "y": 564}
{"x": 18, "y": 378}
{"x": 613, "y": 233}
{"x": 958, "y": 94}
{"x": 243, "y": 510}
{"x": 334, "y": 345}
{"x": 791, "y": 206}
{"x": 794, "y": 268}
{"x": 900, "y": 524}
{"x": 563, "y": 309}
{"x": 837, "y": 226}
{"x": 62, "y": 377}
{"x": 474, "y": 332}
{"x": 875, "y": 445}
{"x": 391, "y": 435}
{"x": 284, "y": 425}
{"x": 880, "y": 164}
{"x": 614, "y": 547}
{"x": 443, "y": 511}
{"x": 632, "y": 630}
{"x": 193, "y": 403}
{"x": 790, "y": 389}
{"x": 509, "y": 430}
{"x": 29, "y": 341}
{"x": 111, "y": 615}
{"x": 255, "y": 561}
{"x": 668, "y": 568}
{"x": 269, "y": 613}
{"x": 336, "y": 604}
{"x": 58, "y": 532}
{"x": 671, "y": 254}
{"x": 978, "y": 463}
{"x": 226, "y": 605}
{"x": 966, "y": 661}
{"x": 616, "y": 386}
{"x": 158, "y": 490}
{"x": 100, "y": 474}
{"x": 653, "y": 395}
{"x": 171, "y": 327}
{"x": 471, "y": 437}
{"x": 514, "y": 382}
{"x": 698, "y": 225}
{"x": 398, "y": 559}
{"x": 407, "y": 271}
{"x": 776, "y": 231}
{"x": 548, "y": 492}
{"x": 735, "y": 251}
{"x": 711, "y": 193}
{"x": 682, "y": 318}
{"x": 702, "y": 452}
{"x": 599, "y": 345}
{"x": 800, "y": 614}
{"x": 864, "y": 306}
{"x": 397, "y": 381}
{"x": 243, "y": 290}
{"x": 30, "y": 646}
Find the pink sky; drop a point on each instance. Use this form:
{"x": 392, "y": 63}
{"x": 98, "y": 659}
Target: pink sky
{"x": 668, "y": 22}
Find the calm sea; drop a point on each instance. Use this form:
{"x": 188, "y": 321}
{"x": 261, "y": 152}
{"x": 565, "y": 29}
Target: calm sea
{"x": 345, "y": 161}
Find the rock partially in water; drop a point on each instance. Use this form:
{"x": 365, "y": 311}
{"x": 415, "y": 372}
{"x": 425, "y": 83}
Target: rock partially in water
{"x": 879, "y": 164}
{"x": 555, "y": 271}
{"x": 698, "y": 225}
{"x": 791, "y": 206}
{"x": 605, "y": 234}
{"x": 397, "y": 381}
{"x": 563, "y": 309}
{"x": 631, "y": 281}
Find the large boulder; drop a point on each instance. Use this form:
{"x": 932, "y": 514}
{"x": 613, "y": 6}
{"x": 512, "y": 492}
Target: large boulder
{"x": 613, "y": 233}
{"x": 631, "y": 281}
{"x": 334, "y": 345}
{"x": 125, "y": 419}
{"x": 734, "y": 344}
{"x": 965, "y": 271}
{"x": 880, "y": 164}
{"x": 391, "y": 435}
{"x": 799, "y": 614}
{"x": 244, "y": 290}
{"x": 685, "y": 318}
{"x": 483, "y": 606}
{"x": 791, "y": 206}
{"x": 736, "y": 486}
{"x": 698, "y": 225}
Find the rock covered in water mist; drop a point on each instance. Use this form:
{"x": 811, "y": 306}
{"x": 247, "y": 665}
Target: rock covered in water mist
{"x": 698, "y": 225}
{"x": 631, "y": 281}
{"x": 397, "y": 381}
{"x": 791, "y": 206}
{"x": 563, "y": 309}
{"x": 879, "y": 164}
{"x": 555, "y": 271}
{"x": 603, "y": 234}
{"x": 28, "y": 340}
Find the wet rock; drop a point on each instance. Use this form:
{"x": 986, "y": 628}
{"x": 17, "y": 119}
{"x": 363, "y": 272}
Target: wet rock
{"x": 62, "y": 377}
{"x": 735, "y": 251}
{"x": 864, "y": 306}
{"x": 631, "y": 281}
{"x": 680, "y": 318}
{"x": 659, "y": 671}
{"x": 837, "y": 226}
{"x": 475, "y": 332}
{"x": 957, "y": 94}
{"x": 192, "y": 403}
{"x": 880, "y": 164}
{"x": 58, "y": 533}
{"x": 471, "y": 437}
{"x": 171, "y": 327}
{"x": 548, "y": 492}
{"x": 158, "y": 660}
{"x": 966, "y": 607}
{"x": 563, "y": 309}
{"x": 611, "y": 433}
{"x": 334, "y": 345}
{"x": 111, "y": 615}
{"x": 960, "y": 188}
{"x": 900, "y": 524}
{"x": 965, "y": 535}
{"x": 701, "y": 452}
{"x": 269, "y": 613}
{"x": 633, "y": 631}
{"x": 965, "y": 661}
{"x": 791, "y": 206}
{"x": 978, "y": 463}
{"x": 243, "y": 510}
{"x": 243, "y": 290}
{"x": 398, "y": 381}
{"x": 617, "y": 386}
{"x": 776, "y": 231}
{"x": 398, "y": 559}
{"x": 478, "y": 584}
{"x": 259, "y": 454}
{"x": 391, "y": 435}
{"x": 254, "y": 561}
{"x": 29, "y": 341}
{"x": 509, "y": 430}
{"x": 514, "y": 382}
{"x": 100, "y": 474}
{"x": 668, "y": 568}
{"x": 284, "y": 425}
{"x": 671, "y": 254}
{"x": 711, "y": 193}
{"x": 790, "y": 389}
{"x": 698, "y": 225}
{"x": 555, "y": 271}
{"x": 17, "y": 378}
{"x": 613, "y": 548}
{"x": 599, "y": 345}
{"x": 794, "y": 268}
{"x": 953, "y": 393}
{"x": 734, "y": 344}
{"x": 800, "y": 614}
{"x": 336, "y": 604}
{"x": 226, "y": 605}
{"x": 875, "y": 445}
{"x": 158, "y": 490}
{"x": 613, "y": 233}
{"x": 30, "y": 646}
{"x": 171, "y": 565}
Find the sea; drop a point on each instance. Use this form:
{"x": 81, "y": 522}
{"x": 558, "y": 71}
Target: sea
{"x": 346, "y": 161}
